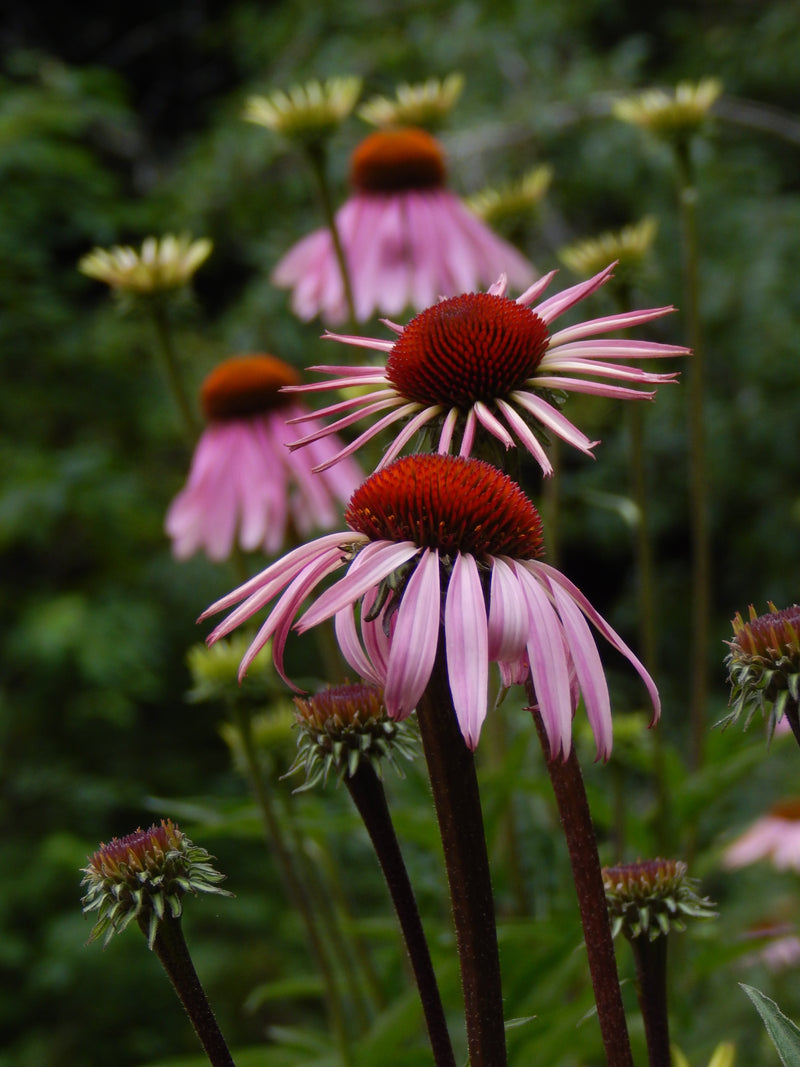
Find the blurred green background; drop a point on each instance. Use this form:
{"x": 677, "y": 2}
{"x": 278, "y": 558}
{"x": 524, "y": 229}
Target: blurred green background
{"x": 124, "y": 122}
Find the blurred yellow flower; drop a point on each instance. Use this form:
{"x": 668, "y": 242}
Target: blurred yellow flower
{"x": 425, "y": 104}
{"x": 307, "y": 113}
{"x": 515, "y": 199}
{"x": 627, "y": 247}
{"x": 161, "y": 265}
{"x": 669, "y": 114}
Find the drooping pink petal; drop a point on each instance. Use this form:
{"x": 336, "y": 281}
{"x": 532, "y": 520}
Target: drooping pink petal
{"x": 375, "y": 562}
{"x": 370, "y": 432}
{"x": 352, "y": 650}
{"x": 467, "y": 647}
{"x": 508, "y": 625}
{"x": 552, "y": 418}
{"x": 415, "y": 638}
{"x": 527, "y": 436}
{"x": 492, "y": 425}
{"x": 600, "y": 624}
{"x": 549, "y": 666}
{"x": 413, "y": 426}
{"x": 588, "y": 668}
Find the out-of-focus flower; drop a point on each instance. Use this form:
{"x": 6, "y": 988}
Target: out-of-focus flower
{"x": 406, "y": 238}
{"x": 426, "y": 104}
{"x": 244, "y": 484}
{"x": 649, "y": 898}
{"x": 343, "y": 726}
{"x": 308, "y": 113}
{"x": 764, "y": 665}
{"x": 670, "y": 114}
{"x": 161, "y": 265}
{"x": 439, "y": 541}
{"x": 515, "y": 199}
{"x": 628, "y": 247}
{"x": 145, "y": 876}
{"x": 774, "y": 837}
{"x": 482, "y": 362}
{"x": 724, "y": 1055}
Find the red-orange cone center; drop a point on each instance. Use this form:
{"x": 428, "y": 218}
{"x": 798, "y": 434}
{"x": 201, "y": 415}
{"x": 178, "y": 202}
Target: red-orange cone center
{"x": 468, "y": 348}
{"x": 395, "y": 161}
{"x": 449, "y": 503}
{"x": 245, "y": 385}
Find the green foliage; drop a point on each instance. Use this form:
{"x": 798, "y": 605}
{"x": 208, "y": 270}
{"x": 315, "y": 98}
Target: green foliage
{"x": 783, "y": 1033}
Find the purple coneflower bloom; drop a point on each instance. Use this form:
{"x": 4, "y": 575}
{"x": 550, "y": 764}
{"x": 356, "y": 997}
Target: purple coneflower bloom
{"x": 407, "y": 239}
{"x": 774, "y": 836}
{"x": 482, "y": 361}
{"x": 442, "y": 544}
{"x": 244, "y": 484}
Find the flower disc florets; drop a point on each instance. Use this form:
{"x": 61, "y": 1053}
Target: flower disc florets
{"x": 344, "y": 725}
{"x": 390, "y": 161}
{"x": 245, "y": 385}
{"x": 144, "y": 876}
{"x": 448, "y": 503}
{"x": 651, "y": 897}
{"x": 469, "y": 348}
{"x": 764, "y": 664}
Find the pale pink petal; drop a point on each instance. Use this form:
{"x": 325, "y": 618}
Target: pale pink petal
{"x": 607, "y": 324}
{"x": 536, "y": 289}
{"x": 490, "y": 423}
{"x": 549, "y": 666}
{"x": 466, "y": 647}
{"x": 413, "y": 427}
{"x": 347, "y": 639}
{"x": 385, "y": 557}
{"x": 508, "y": 615}
{"x": 559, "y": 303}
{"x": 415, "y": 638}
{"x": 620, "y": 347}
{"x": 600, "y": 624}
{"x": 552, "y": 418}
{"x": 368, "y": 434}
{"x": 527, "y": 436}
{"x": 581, "y": 385}
{"x": 448, "y": 428}
{"x": 468, "y": 440}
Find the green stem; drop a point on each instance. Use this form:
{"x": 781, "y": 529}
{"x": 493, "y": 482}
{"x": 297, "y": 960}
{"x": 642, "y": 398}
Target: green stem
{"x": 169, "y": 358}
{"x": 170, "y": 947}
{"x": 454, "y": 782}
{"x": 294, "y": 885}
{"x": 651, "y": 990}
{"x": 370, "y": 800}
{"x": 699, "y": 486}
{"x": 576, "y": 822}
{"x": 317, "y": 158}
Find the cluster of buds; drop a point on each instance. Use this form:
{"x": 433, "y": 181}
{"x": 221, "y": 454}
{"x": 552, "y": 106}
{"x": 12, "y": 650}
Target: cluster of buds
{"x": 145, "y": 876}
{"x": 764, "y": 666}
{"x": 649, "y": 898}
{"x": 344, "y": 726}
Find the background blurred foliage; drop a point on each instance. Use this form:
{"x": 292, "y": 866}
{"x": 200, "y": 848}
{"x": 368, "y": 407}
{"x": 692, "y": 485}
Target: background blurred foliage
{"x": 127, "y": 122}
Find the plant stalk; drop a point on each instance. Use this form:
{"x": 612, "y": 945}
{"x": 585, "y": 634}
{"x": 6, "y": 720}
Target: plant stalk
{"x": 576, "y": 821}
{"x": 170, "y": 947}
{"x": 651, "y": 989}
{"x": 451, "y": 766}
{"x": 370, "y": 799}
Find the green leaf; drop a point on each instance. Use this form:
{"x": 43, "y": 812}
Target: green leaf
{"x": 783, "y": 1033}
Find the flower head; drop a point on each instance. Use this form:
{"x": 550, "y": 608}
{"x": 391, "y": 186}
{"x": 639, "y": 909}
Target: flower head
{"x": 244, "y": 484}
{"x": 484, "y": 362}
{"x": 406, "y": 238}
{"x": 343, "y": 726}
{"x": 145, "y": 876}
{"x": 515, "y": 199}
{"x": 426, "y": 104}
{"x": 651, "y": 897}
{"x": 764, "y": 664}
{"x": 628, "y": 247}
{"x": 670, "y": 115}
{"x": 307, "y": 113}
{"x": 160, "y": 266}
{"x": 442, "y": 547}
{"x": 774, "y": 836}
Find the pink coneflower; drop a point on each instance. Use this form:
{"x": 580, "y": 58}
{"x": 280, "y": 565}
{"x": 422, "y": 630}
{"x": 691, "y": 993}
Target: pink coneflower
{"x": 442, "y": 543}
{"x": 244, "y": 484}
{"x": 775, "y": 836}
{"x": 407, "y": 239}
{"x": 484, "y": 362}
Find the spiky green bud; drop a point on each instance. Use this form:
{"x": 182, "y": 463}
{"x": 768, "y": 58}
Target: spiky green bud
{"x": 651, "y": 897}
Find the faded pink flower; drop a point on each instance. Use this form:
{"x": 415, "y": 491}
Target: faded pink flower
{"x": 244, "y": 484}
{"x": 407, "y": 239}
{"x": 442, "y": 544}
{"x": 482, "y": 362}
{"x": 775, "y": 837}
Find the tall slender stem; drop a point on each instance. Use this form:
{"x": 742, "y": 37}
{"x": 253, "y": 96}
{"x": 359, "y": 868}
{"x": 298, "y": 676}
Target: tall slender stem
{"x": 294, "y": 885}
{"x": 454, "y": 782}
{"x": 170, "y": 947}
{"x": 170, "y": 360}
{"x": 317, "y": 158}
{"x": 368, "y": 796}
{"x": 576, "y": 821}
{"x": 699, "y": 487}
{"x": 651, "y": 989}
